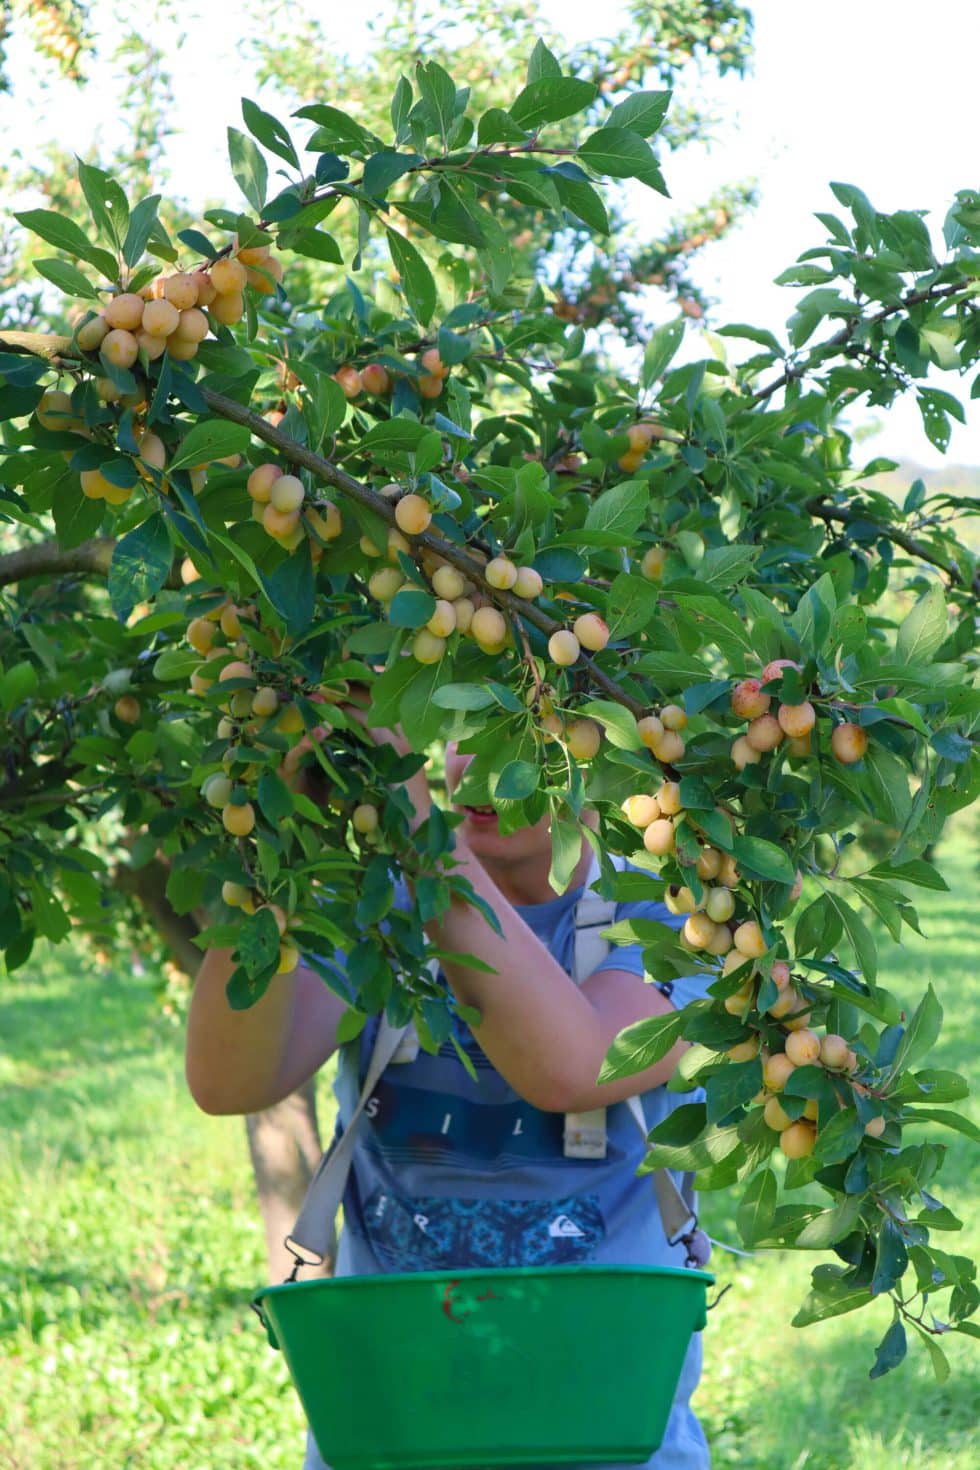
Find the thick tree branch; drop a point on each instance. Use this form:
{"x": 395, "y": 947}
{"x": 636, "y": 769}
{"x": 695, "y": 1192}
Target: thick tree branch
{"x": 47, "y": 559}
{"x": 834, "y": 513}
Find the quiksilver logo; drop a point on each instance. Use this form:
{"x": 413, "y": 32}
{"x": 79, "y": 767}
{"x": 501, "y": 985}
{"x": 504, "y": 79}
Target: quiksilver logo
{"x": 563, "y": 1227}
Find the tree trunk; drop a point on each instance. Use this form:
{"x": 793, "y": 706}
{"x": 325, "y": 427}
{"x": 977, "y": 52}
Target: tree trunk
{"x": 284, "y": 1141}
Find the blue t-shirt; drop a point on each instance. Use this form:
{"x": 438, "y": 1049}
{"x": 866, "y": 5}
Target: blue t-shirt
{"x": 452, "y": 1173}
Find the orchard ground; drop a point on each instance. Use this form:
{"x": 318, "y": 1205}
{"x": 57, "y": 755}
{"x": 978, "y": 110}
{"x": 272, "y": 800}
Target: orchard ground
{"x": 132, "y": 1243}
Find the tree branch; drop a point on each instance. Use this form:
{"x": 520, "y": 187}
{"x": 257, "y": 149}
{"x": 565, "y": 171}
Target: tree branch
{"x": 47, "y": 558}
{"x": 831, "y": 513}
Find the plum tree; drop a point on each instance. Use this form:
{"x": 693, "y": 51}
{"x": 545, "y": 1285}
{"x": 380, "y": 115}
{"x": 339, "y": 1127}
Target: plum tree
{"x": 645, "y": 636}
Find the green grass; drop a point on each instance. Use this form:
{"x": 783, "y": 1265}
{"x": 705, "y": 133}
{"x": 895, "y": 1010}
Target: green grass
{"x": 130, "y": 1244}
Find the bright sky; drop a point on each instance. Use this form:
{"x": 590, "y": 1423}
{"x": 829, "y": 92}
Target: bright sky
{"x": 879, "y": 93}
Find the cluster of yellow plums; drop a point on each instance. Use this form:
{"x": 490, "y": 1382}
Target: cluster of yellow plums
{"x": 237, "y": 896}
{"x": 375, "y": 379}
{"x": 281, "y": 504}
{"x": 791, "y": 722}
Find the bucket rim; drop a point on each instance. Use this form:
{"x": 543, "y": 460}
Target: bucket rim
{"x": 470, "y": 1272}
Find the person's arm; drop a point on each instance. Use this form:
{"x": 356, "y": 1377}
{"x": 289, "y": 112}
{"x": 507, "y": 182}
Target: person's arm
{"x": 544, "y": 1034}
{"x": 244, "y": 1061}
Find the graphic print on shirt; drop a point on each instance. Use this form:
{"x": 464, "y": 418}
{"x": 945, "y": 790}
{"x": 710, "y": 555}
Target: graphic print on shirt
{"x": 433, "y": 1234}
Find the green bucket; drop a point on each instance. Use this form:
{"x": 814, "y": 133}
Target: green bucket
{"x": 522, "y": 1366}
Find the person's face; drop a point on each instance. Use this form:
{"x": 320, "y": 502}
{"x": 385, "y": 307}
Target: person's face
{"x": 481, "y": 827}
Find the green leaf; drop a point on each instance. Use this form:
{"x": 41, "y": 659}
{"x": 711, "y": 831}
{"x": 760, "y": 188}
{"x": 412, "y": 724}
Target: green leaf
{"x": 580, "y": 198}
{"x": 632, "y": 604}
{"x": 891, "y": 1350}
{"x": 756, "y": 1207}
{"x": 542, "y": 63}
{"x": 860, "y": 936}
{"x": 921, "y": 1033}
{"x": 825, "y": 1229}
{"x": 291, "y": 589}
{"x": 832, "y": 1296}
{"x": 76, "y": 518}
{"x": 621, "y": 154}
{"x": 619, "y": 511}
{"x": 497, "y": 126}
{"x": 761, "y": 859}
{"x": 463, "y": 696}
{"x": 142, "y": 223}
{"x": 916, "y": 870}
{"x": 315, "y": 245}
{"x": 439, "y": 91}
{"x": 946, "y": 1119}
{"x": 732, "y": 1087}
{"x": 210, "y": 440}
{"x": 641, "y": 112}
{"x": 140, "y": 565}
{"x": 385, "y": 168}
{"x": 17, "y": 684}
{"x": 67, "y": 278}
{"x": 350, "y": 1025}
{"x": 416, "y": 278}
{"x": 258, "y": 945}
{"x": 939, "y": 1360}
{"x": 517, "y": 780}
{"x": 641, "y": 1045}
{"x": 269, "y": 131}
{"x": 619, "y": 724}
{"x": 411, "y": 608}
{"x": 923, "y": 630}
{"x": 248, "y": 167}
{"x": 549, "y": 99}
{"x": 660, "y": 350}
{"x": 275, "y": 798}
{"x": 65, "y": 235}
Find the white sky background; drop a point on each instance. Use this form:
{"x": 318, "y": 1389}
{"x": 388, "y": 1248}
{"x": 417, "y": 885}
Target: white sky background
{"x": 878, "y": 93}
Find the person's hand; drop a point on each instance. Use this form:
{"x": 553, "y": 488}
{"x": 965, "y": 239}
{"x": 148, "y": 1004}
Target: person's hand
{"x": 417, "y": 787}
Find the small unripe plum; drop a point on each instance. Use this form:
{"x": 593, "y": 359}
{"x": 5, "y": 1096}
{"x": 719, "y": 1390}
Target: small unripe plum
{"x": 199, "y": 684}
{"x": 631, "y": 460}
{"x": 228, "y": 277}
{"x": 721, "y": 941}
{"x": 591, "y": 631}
{"x": 719, "y": 904}
{"x": 735, "y": 961}
{"x": 640, "y": 436}
{"x": 181, "y": 290}
{"x": 443, "y": 620}
{"x": 501, "y": 573}
{"x": 324, "y": 520}
{"x": 54, "y": 411}
{"x": 265, "y": 701}
{"x": 427, "y": 648}
{"x": 160, "y": 318}
{"x": 780, "y": 974}
{"x": 94, "y": 484}
{"x": 433, "y": 363}
{"x": 127, "y": 709}
{"x": 669, "y": 798}
{"x": 748, "y": 701}
{"x": 290, "y": 721}
{"x": 368, "y": 547}
{"x": 775, "y": 1115}
{"x": 797, "y": 720}
{"x": 152, "y": 449}
{"x": 384, "y": 583}
{"x": 413, "y": 515}
{"x": 200, "y": 634}
{"x": 234, "y": 894}
{"x": 583, "y": 738}
{"x": 91, "y": 333}
{"x": 669, "y": 748}
{"x": 764, "y": 733}
{"x": 236, "y": 669}
{"x": 260, "y": 482}
{"x": 777, "y": 1070}
{"x": 120, "y": 348}
{"x": 107, "y": 390}
{"x": 739, "y": 1003}
{"x": 803, "y": 1047}
{"x": 376, "y": 379}
{"x": 280, "y": 524}
{"x": 217, "y": 791}
{"x": 289, "y": 958}
{"x": 430, "y": 386}
{"x": 238, "y": 820}
{"x": 749, "y": 940}
{"x": 787, "y": 1001}
{"x": 364, "y": 818}
{"x": 679, "y": 900}
{"x": 849, "y": 743}
{"x": 489, "y": 628}
{"x": 125, "y": 311}
{"x": 447, "y": 582}
{"x": 287, "y": 493}
{"x": 192, "y": 326}
{"x": 228, "y": 307}
{"x": 709, "y": 863}
{"x": 264, "y": 278}
{"x": 653, "y": 563}
{"x": 699, "y": 930}
{"x": 641, "y": 810}
{"x": 799, "y": 745}
{"x": 397, "y": 543}
{"x": 775, "y": 667}
{"x": 464, "y": 609}
{"x": 728, "y": 874}
{"x": 250, "y": 255}
{"x": 744, "y": 1051}
{"x": 658, "y": 838}
{"x": 649, "y": 729}
{"x": 798, "y": 1139}
{"x": 875, "y": 1127}
{"x": 529, "y": 583}
{"x": 673, "y": 717}
{"x": 181, "y": 351}
{"x": 349, "y": 380}
{"x": 834, "y": 1052}
{"x": 563, "y": 648}
{"x": 743, "y": 754}
{"x": 206, "y": 289}
{"x": 150, "y": 347}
